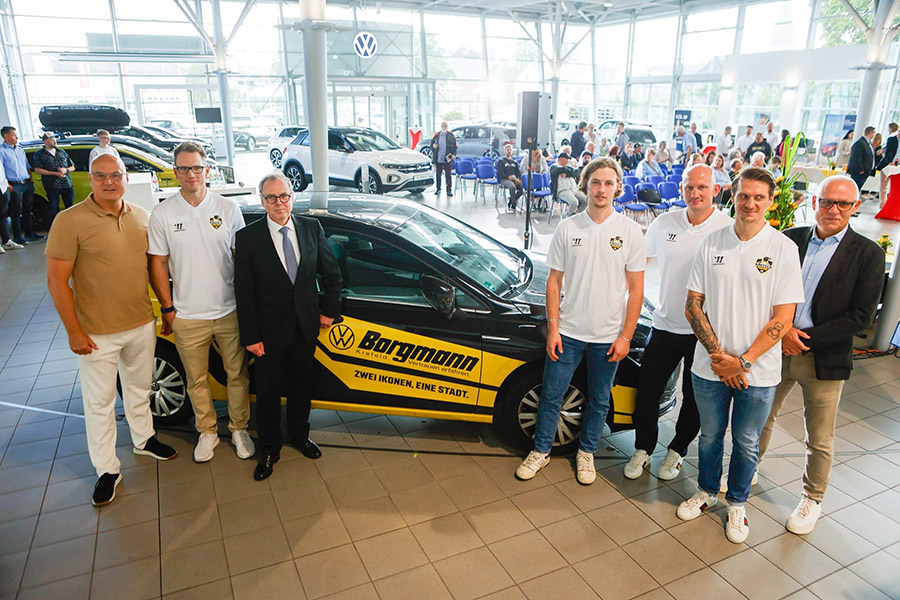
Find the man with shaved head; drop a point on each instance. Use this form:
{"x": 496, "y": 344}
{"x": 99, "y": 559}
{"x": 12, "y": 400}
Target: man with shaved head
{"x": 101, "y": 245}
{"x": 843, "y": 273}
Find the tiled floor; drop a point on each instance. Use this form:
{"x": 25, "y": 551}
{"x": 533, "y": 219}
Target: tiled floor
{"x": 413, "y": 508}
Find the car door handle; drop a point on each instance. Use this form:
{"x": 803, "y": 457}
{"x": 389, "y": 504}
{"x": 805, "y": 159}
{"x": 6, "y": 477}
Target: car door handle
{"x": 494, "y": 338}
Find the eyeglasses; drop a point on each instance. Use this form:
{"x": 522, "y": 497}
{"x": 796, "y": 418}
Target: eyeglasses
{"x": 843, "y": 205}
{"x": 273, "y": 198}
{"x": 104, "y": 176}
{"x": 196, "y": 169}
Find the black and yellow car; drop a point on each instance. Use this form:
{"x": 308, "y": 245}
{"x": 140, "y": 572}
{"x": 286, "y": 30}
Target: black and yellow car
{"x": 438, "y": 320}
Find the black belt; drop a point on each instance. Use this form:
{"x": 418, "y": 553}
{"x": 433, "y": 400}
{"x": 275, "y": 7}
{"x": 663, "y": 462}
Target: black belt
{"x": 20, "y": 182}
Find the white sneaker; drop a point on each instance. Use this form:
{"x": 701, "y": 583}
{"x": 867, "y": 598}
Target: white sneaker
{"x": 737, "y": 528}
{"x": 242, "y": 444}
{"x": 723, "y": 484}
{"x": 804, "y": 517}
{"x": 11, "y": 245}
{"x": 694, "y": 506}
{"x": 585, "y": 472}
{"x": 636, "y": 464}
{"x": 203, "y": 452}
{"x": 671, "y": 466}
{"x": 534, "y": 462}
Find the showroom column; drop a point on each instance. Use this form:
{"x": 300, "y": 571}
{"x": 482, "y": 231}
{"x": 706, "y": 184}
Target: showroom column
{"x": 879, "y": 37}
{"x": 220, "y": 48}
{"x": 312, "y": 13}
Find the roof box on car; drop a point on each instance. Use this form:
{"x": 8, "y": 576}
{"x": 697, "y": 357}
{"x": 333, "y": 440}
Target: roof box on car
{"x": 62, "y": 117}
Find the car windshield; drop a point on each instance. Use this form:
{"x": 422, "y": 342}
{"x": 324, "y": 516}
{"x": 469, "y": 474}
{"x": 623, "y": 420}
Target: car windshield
{"x": 370, "y": 141}
{"x": 640, "y": 136}
{"x": 483, "y": 259}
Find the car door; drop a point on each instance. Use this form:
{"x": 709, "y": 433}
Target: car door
{"x": 340, "y": 166}
{"x": 393, "y": 348}
{"x": 463, "y": 143}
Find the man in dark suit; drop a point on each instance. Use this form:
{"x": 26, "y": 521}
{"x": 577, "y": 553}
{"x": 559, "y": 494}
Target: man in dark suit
{"x": 862, "y": 158}
{"x": 890, "y": 153}
{"x": 577, "y": 140}
{"x": 843, "y": 273}
{"x": 276, "y": 261}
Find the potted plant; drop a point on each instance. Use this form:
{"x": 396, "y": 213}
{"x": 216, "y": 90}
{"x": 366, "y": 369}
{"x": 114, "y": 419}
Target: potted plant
{"x": 885, "y": 242}
{"x": 780, "y": 213}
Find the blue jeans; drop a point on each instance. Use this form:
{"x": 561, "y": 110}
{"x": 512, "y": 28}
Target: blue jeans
{"x": 53, "y": 197}
{"x": 751, "y": 410}
{"x": 557, "y": 376}
{"x": 21, "y": 219}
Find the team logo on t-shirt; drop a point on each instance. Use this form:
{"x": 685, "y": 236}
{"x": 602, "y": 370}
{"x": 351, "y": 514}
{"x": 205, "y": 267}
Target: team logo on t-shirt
{"x": 576, "y": 241}
{"x": 671, "y": 237}
{"x": 616, "y": 242}
{"x": 215, "y": 221}
{"x": 763, "y": 264}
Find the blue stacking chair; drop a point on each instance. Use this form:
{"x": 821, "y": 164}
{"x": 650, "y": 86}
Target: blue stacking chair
{"x": 674, "y": 178}
{"x": 668, "y": 191}
{"x": 485, "y": 175}
{"x": 627, "y": 194}
{"x": 631, "y": 180}
{"x": 465, "y": 171}
{"x": 654, "y": 179}
{"x": 453, "y": 164}
{"x": 655, "y": 208}
{"x": 541, "y": 191}
{"x": 618, "y": 208}
{"x": 664, "y": 169}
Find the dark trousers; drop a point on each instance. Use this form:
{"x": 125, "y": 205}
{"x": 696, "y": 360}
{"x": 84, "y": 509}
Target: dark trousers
{"x": 445, "y": 168}
{"x": 4, "y": 213}
{"x": 285, "y": 370}
{"x": 661, "y": 356}
{"x": 21, "y": 219}
{"x": 55, "y": 194}
{"x": 859, "y": 179}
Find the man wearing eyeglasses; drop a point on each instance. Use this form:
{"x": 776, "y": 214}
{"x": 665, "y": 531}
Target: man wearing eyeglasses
{"x": 192, "y": 240}
{"x": 101, "y": 246}
{"x": 276, "y": 262}
{"x": 843, "y": 273}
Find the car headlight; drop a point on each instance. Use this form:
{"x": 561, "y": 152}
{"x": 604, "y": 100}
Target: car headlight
{"x": 391, "y": 166}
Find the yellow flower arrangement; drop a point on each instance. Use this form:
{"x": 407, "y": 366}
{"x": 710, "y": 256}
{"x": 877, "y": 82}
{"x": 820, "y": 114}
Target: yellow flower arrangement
{"x": 885, "y": 242}
{"x": 780, "y": 213}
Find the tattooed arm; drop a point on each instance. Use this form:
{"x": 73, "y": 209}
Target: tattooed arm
{"x": 777, "y": 328}
{"x": 693, "y": 311}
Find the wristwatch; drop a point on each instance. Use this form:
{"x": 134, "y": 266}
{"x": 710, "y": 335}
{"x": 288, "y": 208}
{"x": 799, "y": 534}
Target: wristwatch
{"x": 745, "y": 364}
{"x": 167, "y": 310}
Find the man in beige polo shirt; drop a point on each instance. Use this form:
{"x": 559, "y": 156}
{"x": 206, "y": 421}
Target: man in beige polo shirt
{"x": 101, "y": 245}
{"x": 192, "y": 240}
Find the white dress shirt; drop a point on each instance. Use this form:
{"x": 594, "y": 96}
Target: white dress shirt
{"x": 278, "y": 240}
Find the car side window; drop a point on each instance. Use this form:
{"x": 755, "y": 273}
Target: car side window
{"x": 336, "y": 142}
{"x": 136, "y": 165}
{"x": 80, "y": 157}
{"x": 304, "y": 139}
{"x": 373, "y": 268}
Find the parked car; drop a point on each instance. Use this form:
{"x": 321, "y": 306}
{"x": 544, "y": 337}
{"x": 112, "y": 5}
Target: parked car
{"x": 259, "y": 127}
{"x": 475, "y": 140}
{"x": 86, "y": 119}
{"x": 169, "y": 124}
{"x": 280, "y": 140}
{"x": 391, "y": 167}
{"x": 438, "y": 320}
{"x": 638, "y": 133}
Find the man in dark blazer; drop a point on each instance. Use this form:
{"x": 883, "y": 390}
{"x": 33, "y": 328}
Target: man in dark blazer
{"x": 843, "y": 273}
{"x": 862, "y": 158}
{"x": 443, "y": 148}
{"x": 276, "y": 261}
{"x": 577, "y": 140}
{"x": 890, "y": 153}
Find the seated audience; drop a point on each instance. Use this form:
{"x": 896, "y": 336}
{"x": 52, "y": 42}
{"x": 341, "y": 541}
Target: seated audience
{"x": 648, "y": 167}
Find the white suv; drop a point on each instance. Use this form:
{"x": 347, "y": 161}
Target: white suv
{"x": 277, "y": 143}
{"x": 391, "y": 168}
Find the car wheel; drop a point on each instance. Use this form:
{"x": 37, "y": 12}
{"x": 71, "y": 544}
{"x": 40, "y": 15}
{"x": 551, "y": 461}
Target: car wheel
{"x": 40, "y": 214}
{"x": 275, "y": 157}
{"x": 374, "y": 183}
{"x": 428, "y": 151}
{"x": 565, "y": 142}
{"x": 170, "y": 403}
{"x": 251, "y": 144}
{"x": 492, "y": 153}
{"x": 520, "y": 412}
{"x": 295, "y": 173}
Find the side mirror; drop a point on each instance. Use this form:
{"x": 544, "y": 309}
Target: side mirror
{"x": 440, "y": 295}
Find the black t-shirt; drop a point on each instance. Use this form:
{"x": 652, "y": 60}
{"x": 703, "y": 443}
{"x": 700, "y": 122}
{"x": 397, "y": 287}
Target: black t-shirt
{"x": 507, "y": 167}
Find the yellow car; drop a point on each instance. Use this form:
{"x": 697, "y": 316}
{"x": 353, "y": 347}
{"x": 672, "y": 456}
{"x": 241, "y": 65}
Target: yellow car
{"x": 136, "y": 159}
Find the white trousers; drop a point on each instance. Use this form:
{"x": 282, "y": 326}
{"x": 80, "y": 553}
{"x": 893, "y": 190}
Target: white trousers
{"x": 130, "y": 354}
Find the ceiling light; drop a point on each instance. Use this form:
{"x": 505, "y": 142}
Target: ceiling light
{"x": 607, "y": 5}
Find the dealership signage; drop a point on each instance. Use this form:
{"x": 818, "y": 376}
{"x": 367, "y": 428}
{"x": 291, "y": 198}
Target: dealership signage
{"x": 365, "y": 45}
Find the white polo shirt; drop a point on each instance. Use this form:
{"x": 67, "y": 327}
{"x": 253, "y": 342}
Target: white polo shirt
{"x": 742, "y": 282}
{"x": 673, "y": 239}
{"x": 199, "y": 242}
{"x": 594, "y": 259}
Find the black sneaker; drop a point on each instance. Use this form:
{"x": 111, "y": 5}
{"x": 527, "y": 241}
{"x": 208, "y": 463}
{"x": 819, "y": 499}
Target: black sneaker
{"x": 34, "y": 236}
{"x": 105, "y": 489}
{"x": 157, "y": 450}
{"x": 437, "y": 192}
{"x": 449, "y": 194}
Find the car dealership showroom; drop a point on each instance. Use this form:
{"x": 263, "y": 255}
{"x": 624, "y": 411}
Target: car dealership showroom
{"x": 425, "y": 299}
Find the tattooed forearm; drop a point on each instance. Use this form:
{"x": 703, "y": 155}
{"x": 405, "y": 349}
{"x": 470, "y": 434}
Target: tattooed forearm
{"x": 693, "y": 310}
{"x": 775, "y": 330}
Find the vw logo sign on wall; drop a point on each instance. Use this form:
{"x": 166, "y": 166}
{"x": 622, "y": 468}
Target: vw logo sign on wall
{"x": 365, "y": 45}
{"x": 341, "y": 337}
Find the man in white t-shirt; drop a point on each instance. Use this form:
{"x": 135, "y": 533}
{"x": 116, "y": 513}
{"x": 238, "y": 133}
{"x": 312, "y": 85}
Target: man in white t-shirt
{"x": 745, "y": 140}
{"x": 724, "y": 143}
{"x": 674, "y": 238}
{"x": 192, "y": 239}
{"x": 599, "y": 255}
{"x": 772, "y": 136}
{"x": 742, "y": 291}
{"x": 104, "y": 147}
